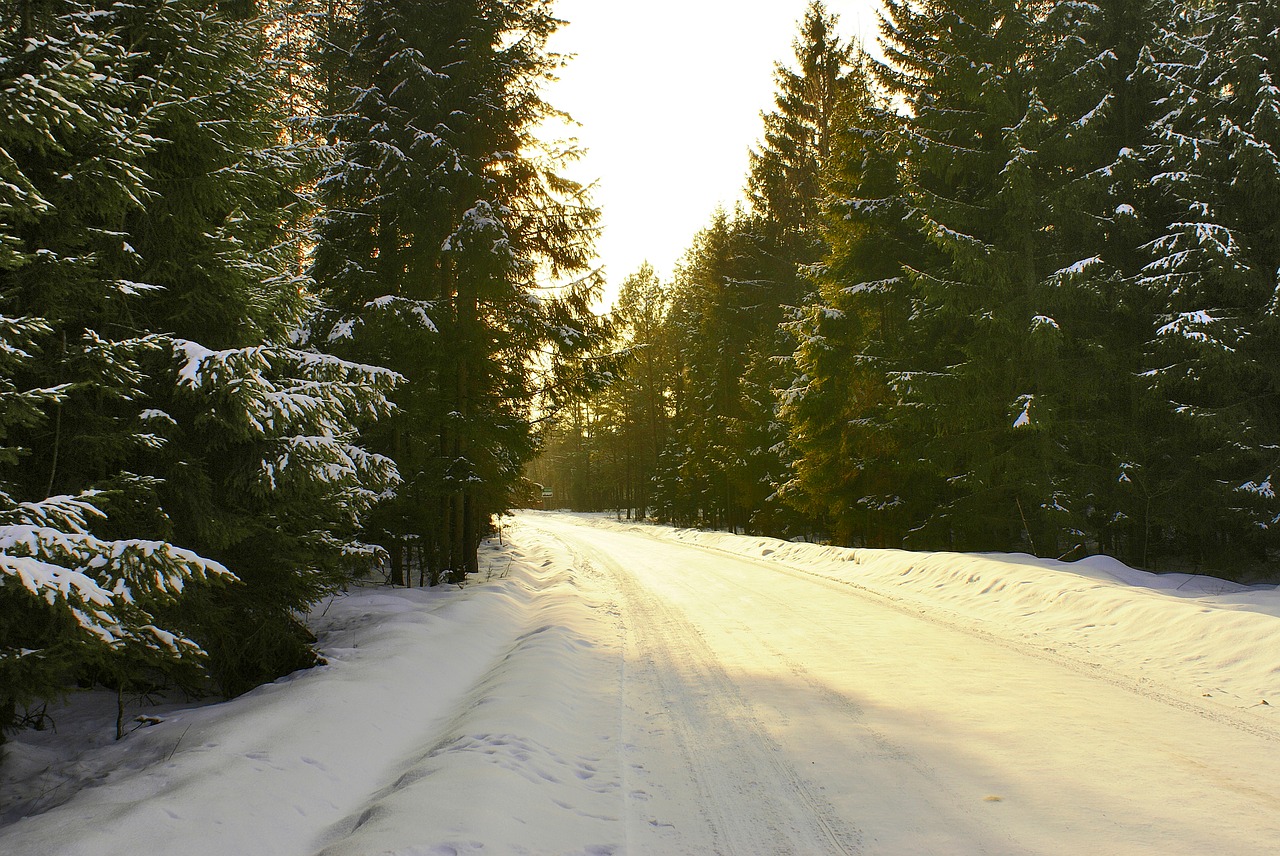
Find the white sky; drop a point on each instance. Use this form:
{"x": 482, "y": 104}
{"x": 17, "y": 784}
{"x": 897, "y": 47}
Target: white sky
{"x": 668, "y": 96}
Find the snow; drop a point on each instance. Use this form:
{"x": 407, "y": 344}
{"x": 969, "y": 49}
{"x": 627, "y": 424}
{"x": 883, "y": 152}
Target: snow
{"x": 1078, "y": 268}
{"x": 1264, "y": 490}
{"x": 1189, "y": 325}
{"x": 1044, "y": 322}
{"x": 428, "y": 696}
{"x": 196, "y": 355}
{"x": 604, "y": 687}
{"x": 1024, "y": 417}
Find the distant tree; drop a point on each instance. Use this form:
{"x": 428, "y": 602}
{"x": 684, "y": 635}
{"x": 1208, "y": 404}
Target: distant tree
{"x": 785, "y": 185}
{"x": 637, "y": 398}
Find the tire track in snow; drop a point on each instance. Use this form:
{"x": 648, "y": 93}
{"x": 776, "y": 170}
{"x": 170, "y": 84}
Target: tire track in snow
{"x": 742, "y": 779}
{"x": 1139, "y": 686}
{"x": 935, "y": 735}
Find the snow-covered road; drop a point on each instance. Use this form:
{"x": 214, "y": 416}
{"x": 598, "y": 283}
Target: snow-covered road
{"x": 775, "y": 710}
{"x": 614, "y": 688}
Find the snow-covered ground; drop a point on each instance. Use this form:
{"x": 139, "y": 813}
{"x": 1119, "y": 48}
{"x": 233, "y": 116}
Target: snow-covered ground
{"x": 613, "y": 688}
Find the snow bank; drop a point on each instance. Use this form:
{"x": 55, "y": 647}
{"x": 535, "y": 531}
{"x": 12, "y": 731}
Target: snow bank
{"x": 347, "y": 758}
{"x": 1192, "y": 633}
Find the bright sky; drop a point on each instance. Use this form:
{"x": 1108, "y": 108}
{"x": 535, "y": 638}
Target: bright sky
{"x": 668, "y": 96}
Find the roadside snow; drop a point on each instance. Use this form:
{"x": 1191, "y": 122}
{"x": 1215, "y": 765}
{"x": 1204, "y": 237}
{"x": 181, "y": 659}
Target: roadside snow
{"x": 432, "y": 702}
{"x": 676, "y": 691}
{"x": 1197, "y": 634}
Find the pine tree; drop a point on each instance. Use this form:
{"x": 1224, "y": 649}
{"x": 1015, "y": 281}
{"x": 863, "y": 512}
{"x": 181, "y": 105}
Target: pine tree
{"x": 439, "y": 218}
{"x": 72, "y": 603}
{"x": 854, "y": 472}
{"x": 786, "y": 189}
{"x": 984, "y": 390}
{"x": 1214, "y": 276}
{"x": 638, "y": 322}
{"x": 156, "y": 237}
{"x": 1102, "y": 209}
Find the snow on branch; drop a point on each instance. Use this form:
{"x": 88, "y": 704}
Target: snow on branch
{"x": 103, "y": 586}
{"x": 330, "y": 461}
{"x": 304, "y": 408}
{"x": 1195, "y": 327}
{"x": 1024, "y": 417}
{"x": 1263, "y": 489}
{"x": 276, "y": 391}
{"x": 1073, "y": 271}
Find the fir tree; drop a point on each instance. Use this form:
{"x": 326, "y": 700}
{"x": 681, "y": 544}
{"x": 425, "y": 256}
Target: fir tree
{"x": 260, "y": 464}
{"x": 73, "y": 603}
{"x": 1102, "y": 209}
{"x": 786, "y": 189}
{"x": 854, "y": 472}
{"x": 638, "y": 318}
{"x": 440, "y": 217}
{"x": 980, "y": 389}
{"x": 1214, "y": 276}
{"x": 155, "y": 236}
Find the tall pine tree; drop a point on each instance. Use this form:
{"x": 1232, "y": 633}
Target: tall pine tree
{"x": 444, "y": 215}
{"x": 1214, "y": 277}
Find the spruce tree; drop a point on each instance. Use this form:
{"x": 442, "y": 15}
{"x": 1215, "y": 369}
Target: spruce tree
{"x": 639, "y": 317}
{"x": 442, "y": 212}
{"x": 1102, "y": 209}
{"x": 786, "y": 189}
{"x": 156, "y": 238}
{"x": 256, "y": 447}
{"x": 856, "y": 472}
{"x": 692, "y": 485}
{"x": 1214, "y": 276}
{"x": 75, "y": 601}
{"x": 981, "y": 347}
{"x": 785, "y": 183}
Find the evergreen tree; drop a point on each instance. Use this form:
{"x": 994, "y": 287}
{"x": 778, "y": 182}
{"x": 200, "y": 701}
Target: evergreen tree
{"x": 71, "y": 601}
{"x": 786, "y": 189}
{"x": 712, "y": 321}
{"x": 261, "y": 468}
{"x": 785, "y": 183}
{"x": 1214, "y": 277}
{"x": 154, "y": 234}
{"x": 441, "y": 215}
{"x": 1101, "y": 209}
{"x": 855, "y": 473}
{"x": 982, "y": 388}
{"x": 641, "y": 390}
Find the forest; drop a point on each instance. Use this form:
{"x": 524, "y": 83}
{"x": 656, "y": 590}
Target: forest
{"x": 293, "y": 292}
{"x": 281, "y": 285}
{"x": 1009, "y": 283}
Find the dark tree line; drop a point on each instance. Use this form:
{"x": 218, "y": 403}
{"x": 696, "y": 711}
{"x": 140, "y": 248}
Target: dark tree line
{"x": 272, "y": 313}
{"x": 1013, "y": 287}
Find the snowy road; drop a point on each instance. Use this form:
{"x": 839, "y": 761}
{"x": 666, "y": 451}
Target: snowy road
{"x": 607, "y": 688}
{"x": 772, "y": 710}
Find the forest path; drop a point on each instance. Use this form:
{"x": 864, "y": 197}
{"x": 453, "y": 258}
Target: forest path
{"x": 766, "y": 709}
